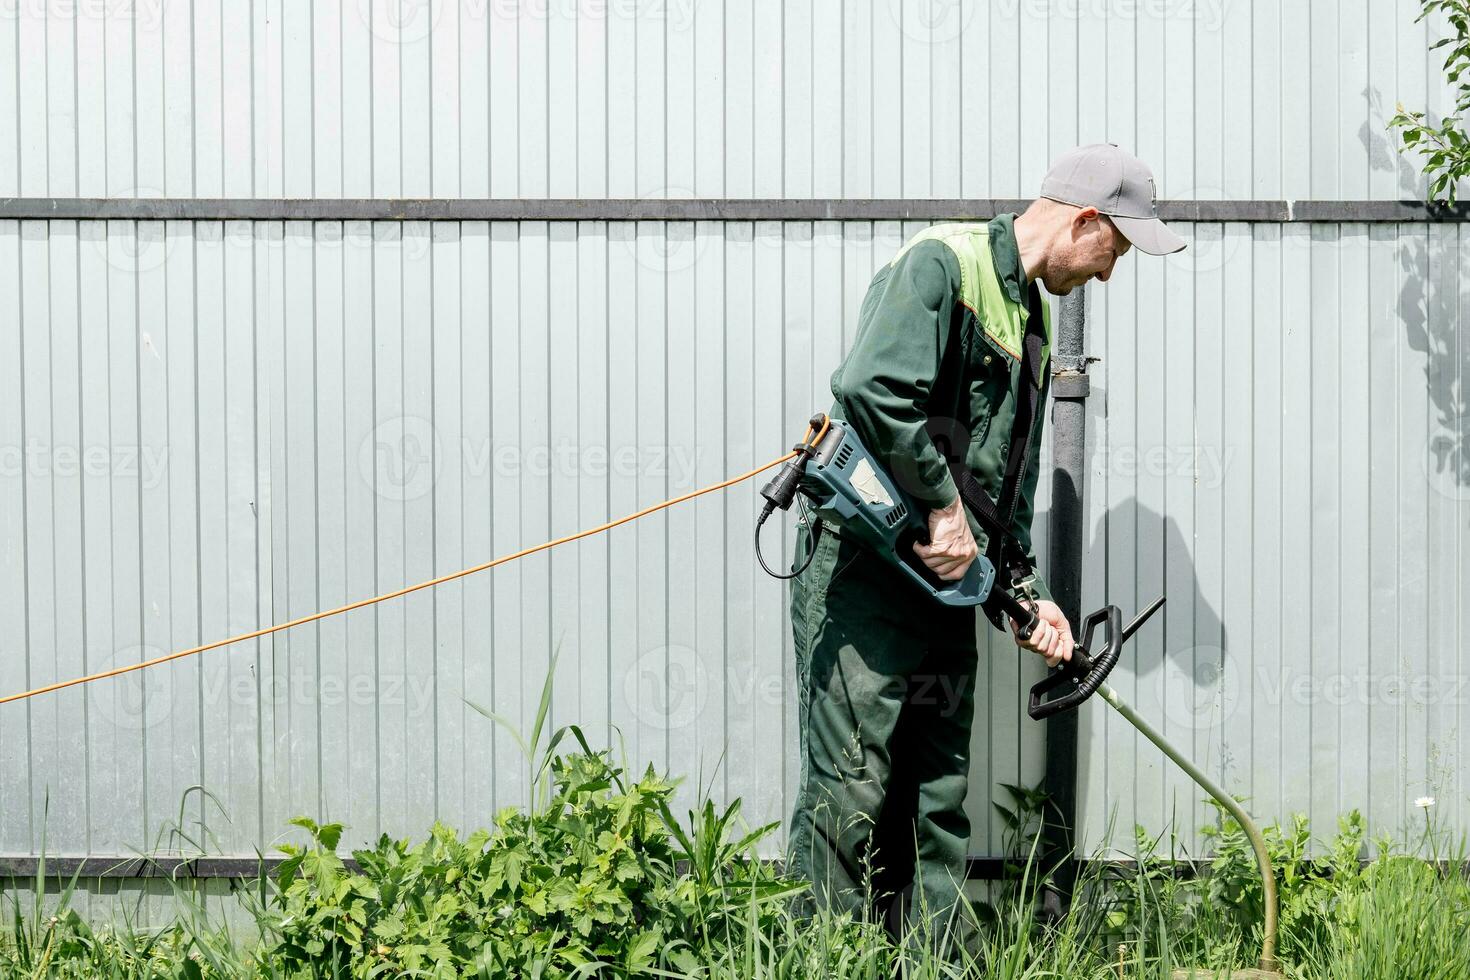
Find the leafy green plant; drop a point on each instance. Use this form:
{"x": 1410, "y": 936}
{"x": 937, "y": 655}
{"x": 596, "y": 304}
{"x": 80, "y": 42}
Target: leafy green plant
{"x": 595, "y": 876}
{"x": 600, "y": 879}
{"x": 1445, "y": 146}
{"x": 1025, "y": 820}
{"x": 1211, "y": 916}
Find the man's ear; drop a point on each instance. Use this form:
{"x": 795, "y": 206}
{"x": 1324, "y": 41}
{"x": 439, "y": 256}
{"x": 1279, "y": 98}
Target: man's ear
{"x": 1082, "y": 218}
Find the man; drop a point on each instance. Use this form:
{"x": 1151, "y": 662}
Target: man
{"x": 950, "y": 355}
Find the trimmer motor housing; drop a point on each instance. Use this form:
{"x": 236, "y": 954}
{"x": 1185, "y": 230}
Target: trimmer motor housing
{"x": 851, "y": 489}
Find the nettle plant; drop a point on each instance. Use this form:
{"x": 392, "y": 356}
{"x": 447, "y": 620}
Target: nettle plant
{"x": 600, "y": 879}
{"x": 1445, "y": 147}
{"x": 596, "y": 877}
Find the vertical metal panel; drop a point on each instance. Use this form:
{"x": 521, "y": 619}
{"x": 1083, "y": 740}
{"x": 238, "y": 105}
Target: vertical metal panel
{"x": 773, "y": 418}
{"x": 709, "y": 679}
{"x": 447, "y": 728}
{"x": 1354, "y": 482}
{"x": 395, "y": 480}
{"x": 742, "y": 448}
{"x": 362, "y": 443}
{"x": 15, "y": 773}
{"x": 1234, "y": 475}
{"x": 476, "y": 476}
{"x": 334, "y": 469}
{"x": 687, "y": 750}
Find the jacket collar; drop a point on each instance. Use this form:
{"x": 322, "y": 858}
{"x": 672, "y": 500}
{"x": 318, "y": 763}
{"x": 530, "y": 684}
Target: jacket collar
{"x": 1007, "y": 256}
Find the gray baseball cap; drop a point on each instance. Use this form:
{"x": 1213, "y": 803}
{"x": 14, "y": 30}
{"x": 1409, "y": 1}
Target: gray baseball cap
{"x": 1119, "y": 185}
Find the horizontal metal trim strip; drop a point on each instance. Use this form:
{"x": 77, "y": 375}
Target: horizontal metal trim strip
{"x": 499, "y": 209}
{"x": 671, "y": 209}
{"x": 24, "y": 866}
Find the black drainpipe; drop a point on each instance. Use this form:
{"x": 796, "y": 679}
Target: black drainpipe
{"x": 1069, "y": 390}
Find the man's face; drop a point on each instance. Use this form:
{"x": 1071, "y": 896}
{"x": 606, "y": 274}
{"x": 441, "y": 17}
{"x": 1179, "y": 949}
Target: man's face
{"x": 1088, "y": 250}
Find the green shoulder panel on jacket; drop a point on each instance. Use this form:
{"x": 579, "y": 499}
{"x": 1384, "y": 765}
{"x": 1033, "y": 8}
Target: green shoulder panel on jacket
{"x": 980, "y": 290}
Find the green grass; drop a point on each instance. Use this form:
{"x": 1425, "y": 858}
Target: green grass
{"x": 601, "y": 878}
{"x": 598, "y": 877}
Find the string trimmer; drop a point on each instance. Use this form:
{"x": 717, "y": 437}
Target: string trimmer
{"x": 845, "y": 484}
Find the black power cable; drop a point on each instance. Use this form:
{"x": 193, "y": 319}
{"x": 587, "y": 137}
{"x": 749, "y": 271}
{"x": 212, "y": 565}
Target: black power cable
{"x": 816, "y": 536}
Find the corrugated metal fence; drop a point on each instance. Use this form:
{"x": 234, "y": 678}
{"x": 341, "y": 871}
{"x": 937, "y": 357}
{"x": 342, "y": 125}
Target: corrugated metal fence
{"x": 206, "y": 426}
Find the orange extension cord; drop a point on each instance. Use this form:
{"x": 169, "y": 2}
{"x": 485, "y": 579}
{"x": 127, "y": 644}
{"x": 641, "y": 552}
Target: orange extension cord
{"x": 47, "y": 689}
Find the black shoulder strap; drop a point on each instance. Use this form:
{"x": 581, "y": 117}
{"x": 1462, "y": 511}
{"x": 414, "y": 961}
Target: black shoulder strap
{"x": 998, "y": 516}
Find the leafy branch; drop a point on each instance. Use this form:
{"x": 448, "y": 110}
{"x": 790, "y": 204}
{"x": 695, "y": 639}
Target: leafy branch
{"x": 1446, "y": 147}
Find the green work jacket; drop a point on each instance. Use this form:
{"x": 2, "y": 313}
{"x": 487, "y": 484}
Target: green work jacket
{"x": 937, "y": 357}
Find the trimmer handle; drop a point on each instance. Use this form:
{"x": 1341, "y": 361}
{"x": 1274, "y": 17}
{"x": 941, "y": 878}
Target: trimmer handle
{"x": 1090, "y": 665}
{"x": 971, "y": 590}
{"x": 1085, "y": 671}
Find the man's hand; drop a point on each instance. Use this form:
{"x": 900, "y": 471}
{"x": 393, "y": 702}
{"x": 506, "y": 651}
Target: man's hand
{"x": 1052, "y": 637}
{"x": 951, "y": 546}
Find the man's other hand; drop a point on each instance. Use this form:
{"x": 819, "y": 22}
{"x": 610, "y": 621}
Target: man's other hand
{"x": 1052, "y": 637}
{"x": 951, "y": 546}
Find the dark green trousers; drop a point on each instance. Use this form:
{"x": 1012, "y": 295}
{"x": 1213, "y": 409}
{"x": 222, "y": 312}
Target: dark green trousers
{"x": 886, "y": 677}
